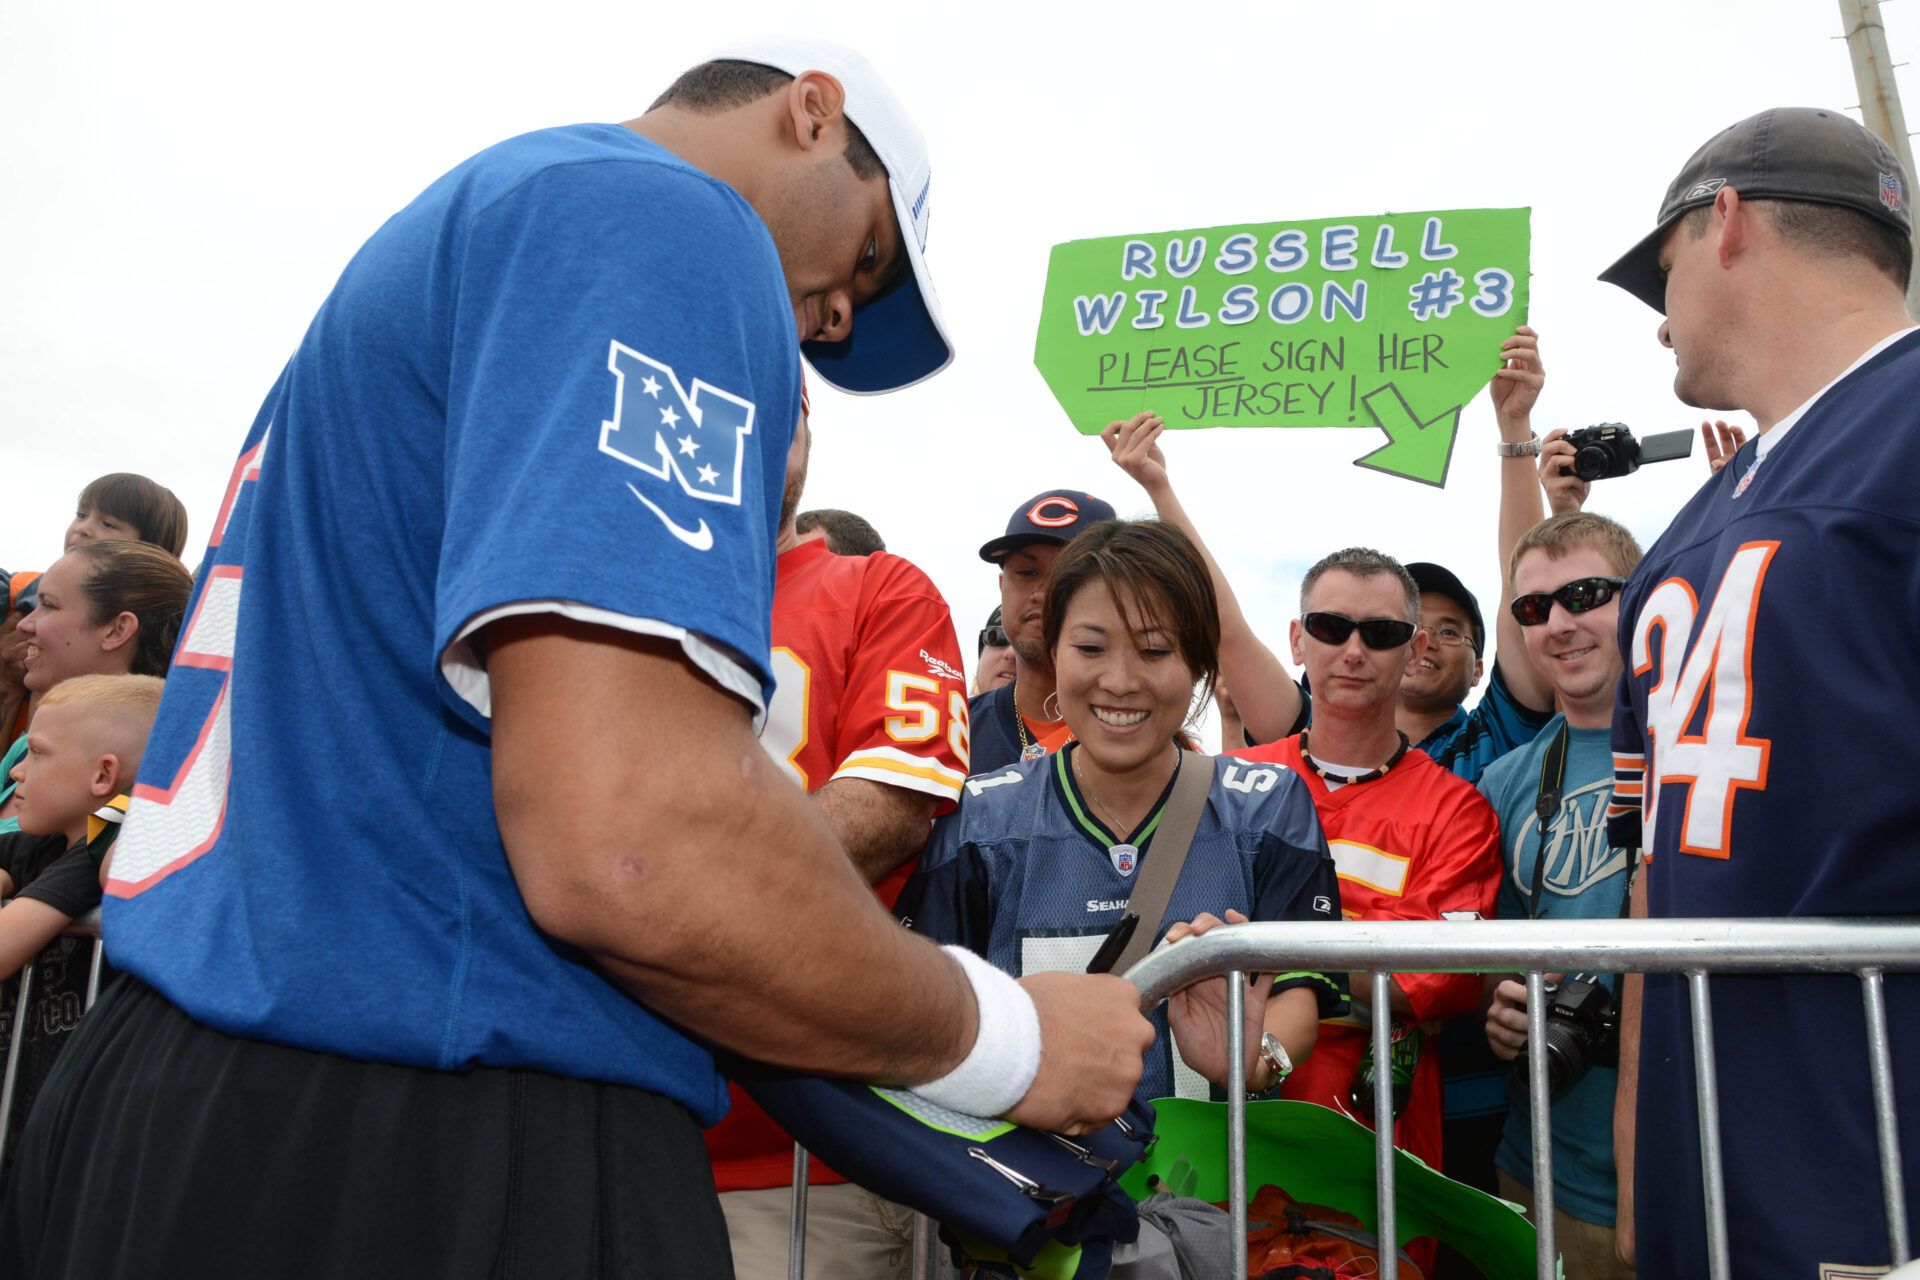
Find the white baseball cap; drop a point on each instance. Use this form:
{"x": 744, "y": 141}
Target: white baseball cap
{"x": 898, "y": 339}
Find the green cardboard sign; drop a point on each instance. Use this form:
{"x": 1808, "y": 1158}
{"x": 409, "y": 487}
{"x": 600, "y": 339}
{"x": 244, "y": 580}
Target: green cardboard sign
{"x": 1389, "y": 323}
{"x": 1318, "y": 1155}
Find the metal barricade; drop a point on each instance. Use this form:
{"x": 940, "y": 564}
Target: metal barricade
{"x": 1695, "y": 948}
{"x": 86, "y": 926}
{"x": 1866, "y": 948}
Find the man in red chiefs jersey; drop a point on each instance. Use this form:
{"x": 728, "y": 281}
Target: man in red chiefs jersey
{"x": 870, "y": 716}
{"x": 1410, "y": 841}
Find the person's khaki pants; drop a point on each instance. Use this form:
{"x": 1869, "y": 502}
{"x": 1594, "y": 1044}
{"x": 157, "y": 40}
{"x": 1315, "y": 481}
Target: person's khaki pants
{"x": 1586, "y": 1248}
{"x": 852, "y": 1234}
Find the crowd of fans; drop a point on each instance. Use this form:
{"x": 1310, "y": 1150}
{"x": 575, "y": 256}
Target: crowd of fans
{"x": 540, "y": 799}
{"x": 1121, "y": 631}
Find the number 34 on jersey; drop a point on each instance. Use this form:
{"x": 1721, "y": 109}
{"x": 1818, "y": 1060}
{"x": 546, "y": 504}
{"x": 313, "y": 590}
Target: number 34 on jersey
{"x": 1700, "y": 701}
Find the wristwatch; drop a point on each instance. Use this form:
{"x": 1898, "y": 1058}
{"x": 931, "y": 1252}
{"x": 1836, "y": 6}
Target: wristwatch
{"x": 1274, "y": 1054}
{"x": 1528, "y": 448}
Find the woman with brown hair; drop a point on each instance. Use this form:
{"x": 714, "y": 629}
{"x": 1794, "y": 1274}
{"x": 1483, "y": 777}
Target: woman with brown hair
{"x": 105, "y": 608}
{"x": 1039, "y": 862}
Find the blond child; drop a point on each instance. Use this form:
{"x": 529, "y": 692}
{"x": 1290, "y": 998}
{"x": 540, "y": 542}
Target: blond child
{"x": 82, "y": 753}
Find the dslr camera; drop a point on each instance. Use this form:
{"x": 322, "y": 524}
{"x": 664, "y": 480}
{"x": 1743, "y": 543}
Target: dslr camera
{"x": 1609, "y": 449}
{"x": 1581, "y": 1031}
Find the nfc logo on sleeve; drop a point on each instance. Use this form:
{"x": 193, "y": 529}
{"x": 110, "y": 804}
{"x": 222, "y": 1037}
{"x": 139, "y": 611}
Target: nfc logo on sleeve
{"x": 693, "y": 438}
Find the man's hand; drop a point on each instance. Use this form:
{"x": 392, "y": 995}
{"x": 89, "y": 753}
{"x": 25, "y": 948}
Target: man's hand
{"x": 1507, "y": 1020}
{"x": 1722, "y": 443}
{"x": 1197, "y": 1015}
{"x": 1135, "y": 447}
{"x": 1093, "y": 1044}
{"x": 1566, "y": 492}
{"x": 1516, "y": 384}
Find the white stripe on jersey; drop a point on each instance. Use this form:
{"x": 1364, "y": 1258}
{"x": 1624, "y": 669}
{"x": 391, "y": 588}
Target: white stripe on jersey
{"x": 1374, "y": 868}
{"x": 897, "y": 768}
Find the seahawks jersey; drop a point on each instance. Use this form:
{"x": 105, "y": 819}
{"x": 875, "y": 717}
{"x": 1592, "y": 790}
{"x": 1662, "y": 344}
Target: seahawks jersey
{"x": 1023, "y": 874}
{"x": 1767, "y": 721}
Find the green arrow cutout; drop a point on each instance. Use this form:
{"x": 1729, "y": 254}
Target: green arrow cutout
{"x": 1414, "y": 450}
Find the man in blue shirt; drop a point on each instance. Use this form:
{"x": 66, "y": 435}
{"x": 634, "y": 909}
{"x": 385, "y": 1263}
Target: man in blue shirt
{"x": 1566, "y": 575}
{"x": 430, "y": 914}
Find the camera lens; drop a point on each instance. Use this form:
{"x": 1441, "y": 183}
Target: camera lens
{"x": 1590, "y": 463}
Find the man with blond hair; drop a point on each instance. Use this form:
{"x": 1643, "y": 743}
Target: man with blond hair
{"x": 1565, "y": 576}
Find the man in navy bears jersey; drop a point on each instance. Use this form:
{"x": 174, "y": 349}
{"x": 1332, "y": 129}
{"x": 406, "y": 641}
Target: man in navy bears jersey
{"x": 427, "y": 925}
{"x": 1021, "y": 720}
{"x": 1764, "y": 737}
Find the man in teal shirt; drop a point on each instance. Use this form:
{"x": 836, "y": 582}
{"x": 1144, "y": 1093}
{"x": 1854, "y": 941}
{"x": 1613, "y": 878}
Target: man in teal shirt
{"x": 1566, "y": 575}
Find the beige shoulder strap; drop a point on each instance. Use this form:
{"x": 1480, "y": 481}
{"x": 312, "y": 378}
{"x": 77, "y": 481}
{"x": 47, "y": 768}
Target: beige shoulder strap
{"x": 1160, "y": 870}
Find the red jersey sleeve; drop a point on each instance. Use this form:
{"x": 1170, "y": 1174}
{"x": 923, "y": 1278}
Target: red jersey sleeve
{"x": 903, "y": 721}
{"x": 1459, "y": 877}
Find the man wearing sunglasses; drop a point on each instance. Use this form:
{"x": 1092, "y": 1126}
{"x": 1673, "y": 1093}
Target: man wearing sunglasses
{"x": 1566, "y": 574}
{"x": 1767, "y": 718}
{"x": 995, "y": 658}
{"x": 1409, "y": 839}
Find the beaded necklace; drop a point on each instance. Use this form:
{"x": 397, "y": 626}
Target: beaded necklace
{"x": 1372, "y": 775}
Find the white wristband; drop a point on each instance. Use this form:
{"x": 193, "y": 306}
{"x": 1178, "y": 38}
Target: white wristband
{"x": 1005, "y": 1057}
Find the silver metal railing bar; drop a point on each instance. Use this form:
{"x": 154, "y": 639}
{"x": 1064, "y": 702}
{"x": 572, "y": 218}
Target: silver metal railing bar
{"x": 797, "y": 1241}
{"x": 1880, "y": 1065}
{"x": 1385, "y": 1189}
{"x": 1706, "y": 1086}
{"x": 1515, "y": 946}
{"x": 22, "y": 998}
{"x": 86, "y": 926}
{"x": 1237, "y": 1115}
{"x": 1540, "y": 1107}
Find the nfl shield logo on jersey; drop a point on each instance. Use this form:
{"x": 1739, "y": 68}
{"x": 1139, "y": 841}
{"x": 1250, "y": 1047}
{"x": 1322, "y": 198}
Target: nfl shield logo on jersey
{"x": 1125, "y": 858}
{"x": 690, "y": 437}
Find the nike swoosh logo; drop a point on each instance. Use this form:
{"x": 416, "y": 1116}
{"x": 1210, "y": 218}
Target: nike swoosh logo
{"x": 700, "y": 539}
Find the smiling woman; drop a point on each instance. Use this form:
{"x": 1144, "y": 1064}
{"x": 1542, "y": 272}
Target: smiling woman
{"x": 1040, "y": 861}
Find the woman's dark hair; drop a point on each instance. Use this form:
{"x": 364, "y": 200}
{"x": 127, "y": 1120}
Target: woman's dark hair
{"x": 160, "y": 517}
{"x": 140, "y": 579}
{"x": 1157, "y": 577}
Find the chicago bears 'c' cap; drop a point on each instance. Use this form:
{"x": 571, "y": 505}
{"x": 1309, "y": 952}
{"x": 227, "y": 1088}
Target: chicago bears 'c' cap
{"x": 898, "y": 339}
{"x": 1443, "y": 581}
{"x": 1786, "y": 153}
{"x": 1054, "y": 516}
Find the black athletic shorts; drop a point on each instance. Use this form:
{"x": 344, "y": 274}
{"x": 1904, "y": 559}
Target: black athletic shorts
{"x": 161, "y": 1148}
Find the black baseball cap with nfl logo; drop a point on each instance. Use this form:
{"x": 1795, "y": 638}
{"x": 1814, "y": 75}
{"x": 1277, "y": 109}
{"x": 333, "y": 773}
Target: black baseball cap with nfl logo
{"x": 1785, "y": 153}
{"x": 1054, "y": 516}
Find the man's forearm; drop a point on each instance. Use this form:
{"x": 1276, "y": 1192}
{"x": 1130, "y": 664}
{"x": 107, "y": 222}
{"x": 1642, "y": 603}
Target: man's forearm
{"x": 1521, "y": 508}
{"x": 695, "y": 873}
{"x": 879, "y": 826}
{"x": 1264, "y": 693}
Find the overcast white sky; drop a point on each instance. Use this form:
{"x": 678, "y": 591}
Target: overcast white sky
{"x": 180, "y": 184}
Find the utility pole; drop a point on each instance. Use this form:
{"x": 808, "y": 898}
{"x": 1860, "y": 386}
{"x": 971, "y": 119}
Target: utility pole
{"x": 1879, "y": 97}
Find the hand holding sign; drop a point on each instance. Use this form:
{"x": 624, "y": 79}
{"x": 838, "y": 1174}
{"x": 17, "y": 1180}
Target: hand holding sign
{"x": 1390, "y": 323}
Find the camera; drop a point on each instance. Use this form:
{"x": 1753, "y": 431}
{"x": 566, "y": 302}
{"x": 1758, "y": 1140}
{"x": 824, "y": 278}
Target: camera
{"x": 1581, "y": 1030}
{"x": 1609, "y": 449}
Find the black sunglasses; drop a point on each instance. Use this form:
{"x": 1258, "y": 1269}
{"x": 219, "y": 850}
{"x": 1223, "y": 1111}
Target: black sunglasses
{"x": 993, "y": 637}
{"x": 1375, "y": 633}
{"x": 1577, "y": 596}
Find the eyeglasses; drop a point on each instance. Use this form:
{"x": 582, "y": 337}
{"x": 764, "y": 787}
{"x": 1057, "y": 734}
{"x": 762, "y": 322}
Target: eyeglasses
{"x": 1452, "y": 637}
{"x": 1375, "y": 633}
{"x": 1577, "y": 596}
{"x": 993, "y": 637}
